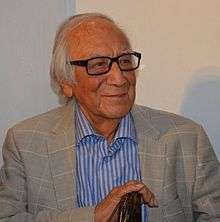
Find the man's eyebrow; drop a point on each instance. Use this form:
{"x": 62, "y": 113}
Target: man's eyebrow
{"x": 118, "y": 54}
{"x": 89, "y": 56}
{"x": 126, "y": 50}
{"x": 97, "y": 54}
{"x": 92, "y": 56}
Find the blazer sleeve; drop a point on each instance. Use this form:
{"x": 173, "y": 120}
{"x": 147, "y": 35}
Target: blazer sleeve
{"x": 206, "y": 191}
{"x": 13, "y": 193}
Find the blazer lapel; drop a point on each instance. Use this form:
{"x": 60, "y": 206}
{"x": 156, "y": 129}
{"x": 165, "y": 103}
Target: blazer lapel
{"x": 61, "y": 151}
{"x": 151, "y": 151}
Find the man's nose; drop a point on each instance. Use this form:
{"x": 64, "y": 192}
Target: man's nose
{"x": 116, "y": 76}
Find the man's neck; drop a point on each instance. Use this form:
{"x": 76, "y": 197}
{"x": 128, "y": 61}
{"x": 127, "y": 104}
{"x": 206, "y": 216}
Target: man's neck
{"x": 106, "y": 129}
{"x": 103, "y": 126}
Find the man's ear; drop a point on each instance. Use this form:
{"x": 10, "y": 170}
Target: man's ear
{"x": 67, "y": 88}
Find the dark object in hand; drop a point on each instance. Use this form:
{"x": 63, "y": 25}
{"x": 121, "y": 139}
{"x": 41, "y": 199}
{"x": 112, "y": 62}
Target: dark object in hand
{"x": 129, "y": 209}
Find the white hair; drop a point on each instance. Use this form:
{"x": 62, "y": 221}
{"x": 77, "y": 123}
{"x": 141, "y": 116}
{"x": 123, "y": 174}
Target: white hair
{"x": 60, "y": 68}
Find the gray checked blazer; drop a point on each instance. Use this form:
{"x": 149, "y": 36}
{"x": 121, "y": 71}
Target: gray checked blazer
{"x": 37, "y": 180}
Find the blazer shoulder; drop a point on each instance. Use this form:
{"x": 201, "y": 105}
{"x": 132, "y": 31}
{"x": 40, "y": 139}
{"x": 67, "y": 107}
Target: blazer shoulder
{"x": 163, "y": 121}
{"x": 42, "y": 122}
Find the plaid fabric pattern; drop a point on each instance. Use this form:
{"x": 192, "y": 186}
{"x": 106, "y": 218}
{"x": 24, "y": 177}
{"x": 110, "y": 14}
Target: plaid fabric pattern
{"x": 37, "y": 180}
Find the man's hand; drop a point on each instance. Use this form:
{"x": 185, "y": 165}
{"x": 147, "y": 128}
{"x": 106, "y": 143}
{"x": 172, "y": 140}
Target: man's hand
{"x": 105, "y": 208}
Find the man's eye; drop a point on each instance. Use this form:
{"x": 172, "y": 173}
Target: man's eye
{"x": 99, "y": 64}
{"x": 97, "y": 61}
{"x": 126, "y": 61}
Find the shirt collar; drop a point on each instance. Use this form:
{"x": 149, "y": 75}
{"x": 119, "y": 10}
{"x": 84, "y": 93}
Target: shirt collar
{"x": 84, "y": 129}
{"x": 126, "y": 128}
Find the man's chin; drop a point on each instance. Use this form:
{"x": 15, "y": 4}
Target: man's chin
{"x": 116, "y": 113}
{"x": 112, "y": 109}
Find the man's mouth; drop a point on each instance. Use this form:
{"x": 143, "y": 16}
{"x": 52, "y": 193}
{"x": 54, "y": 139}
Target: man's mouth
{"x": 115, "y": 95}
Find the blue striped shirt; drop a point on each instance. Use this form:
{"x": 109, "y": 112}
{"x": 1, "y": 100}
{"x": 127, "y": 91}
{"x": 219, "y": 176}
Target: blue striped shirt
{"x": 101, "y": 166}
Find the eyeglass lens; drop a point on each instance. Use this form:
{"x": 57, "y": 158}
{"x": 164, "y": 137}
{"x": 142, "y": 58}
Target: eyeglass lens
{"x": 101, "y": 65}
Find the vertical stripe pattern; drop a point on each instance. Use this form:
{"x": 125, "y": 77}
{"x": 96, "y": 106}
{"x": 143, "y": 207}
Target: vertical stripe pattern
{"x": 101, "y": 166}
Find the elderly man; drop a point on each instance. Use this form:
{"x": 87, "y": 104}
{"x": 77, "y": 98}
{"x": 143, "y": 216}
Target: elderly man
{"x": 75, "y": 163}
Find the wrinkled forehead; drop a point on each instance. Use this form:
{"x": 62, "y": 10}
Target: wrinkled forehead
{"x": 95, "y": 32}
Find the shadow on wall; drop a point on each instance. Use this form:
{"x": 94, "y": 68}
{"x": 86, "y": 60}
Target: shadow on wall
{"x": 202, "y": 103}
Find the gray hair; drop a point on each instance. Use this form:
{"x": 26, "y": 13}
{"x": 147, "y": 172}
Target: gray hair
{"x": 60, "y": 68}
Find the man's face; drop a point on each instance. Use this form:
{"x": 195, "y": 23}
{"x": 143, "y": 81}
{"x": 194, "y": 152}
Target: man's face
{"x": 108, "y": 96}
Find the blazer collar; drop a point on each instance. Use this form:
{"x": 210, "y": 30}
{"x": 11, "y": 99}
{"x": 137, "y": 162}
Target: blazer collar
{"x": 143, "y": 123}
{"x": 66, "y": 121}
{"x": 142, "y": 120}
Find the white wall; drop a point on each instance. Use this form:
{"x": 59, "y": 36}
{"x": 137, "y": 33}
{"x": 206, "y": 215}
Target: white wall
{"x": 181, "y": 50}
{"x": 27, "y": 29}
{"x": 179, "y": 41}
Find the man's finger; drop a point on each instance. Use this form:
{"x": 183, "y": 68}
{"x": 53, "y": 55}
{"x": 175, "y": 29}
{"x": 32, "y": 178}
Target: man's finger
{"x": 148, "y": 197}
{"x": 131, "y": 186}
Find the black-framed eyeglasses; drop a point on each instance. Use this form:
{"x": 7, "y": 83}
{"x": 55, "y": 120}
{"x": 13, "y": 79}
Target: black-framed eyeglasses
{"x": 102, "y": 64}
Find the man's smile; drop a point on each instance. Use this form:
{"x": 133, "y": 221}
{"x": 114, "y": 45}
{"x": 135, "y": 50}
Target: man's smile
{"x": 115, "y": 95}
